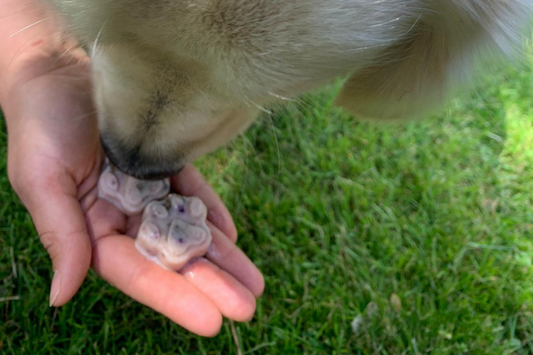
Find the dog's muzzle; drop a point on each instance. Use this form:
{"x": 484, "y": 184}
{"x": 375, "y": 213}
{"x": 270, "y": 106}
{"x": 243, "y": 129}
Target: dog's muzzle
{"x": 130, "y": 161}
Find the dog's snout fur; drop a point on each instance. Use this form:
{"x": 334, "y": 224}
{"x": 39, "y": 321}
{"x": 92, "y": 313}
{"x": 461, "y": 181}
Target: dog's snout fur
{"x": 177, "y": 79}
{"x": 131, "y": 161}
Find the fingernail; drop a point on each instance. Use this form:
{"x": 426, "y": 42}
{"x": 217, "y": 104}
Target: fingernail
{"x": 213, "y": 252}
{"x": 56, "y": 287}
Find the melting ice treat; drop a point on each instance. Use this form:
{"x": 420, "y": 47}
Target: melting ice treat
{"x": 174, "y": 231}
{"x": 129, "y": 194}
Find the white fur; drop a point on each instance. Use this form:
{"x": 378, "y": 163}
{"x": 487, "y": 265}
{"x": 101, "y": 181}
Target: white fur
{"x": 177, "y": 78}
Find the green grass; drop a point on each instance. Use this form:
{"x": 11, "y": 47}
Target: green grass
{"x": 345, "y": 219}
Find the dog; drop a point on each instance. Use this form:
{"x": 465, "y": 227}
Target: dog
{"x": 176, "y": 79}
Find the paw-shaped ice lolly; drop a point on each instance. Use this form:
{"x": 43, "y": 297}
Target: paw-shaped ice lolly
{"x": 129, "y": 194}
{"x": 174, "y": 231}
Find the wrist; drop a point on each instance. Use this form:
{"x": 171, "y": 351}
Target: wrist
{"x": 30, "y": 33}
{"x": 45, "y": 58}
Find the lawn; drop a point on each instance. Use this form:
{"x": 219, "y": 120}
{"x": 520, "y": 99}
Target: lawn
{"x": 411, "y": 238}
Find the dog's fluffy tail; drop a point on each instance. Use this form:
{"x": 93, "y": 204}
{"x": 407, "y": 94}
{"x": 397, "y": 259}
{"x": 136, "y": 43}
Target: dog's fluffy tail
{"x": 438, "y": 54}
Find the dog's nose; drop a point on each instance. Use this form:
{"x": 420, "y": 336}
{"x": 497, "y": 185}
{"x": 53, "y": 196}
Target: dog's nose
{"x": 130, "y": 161}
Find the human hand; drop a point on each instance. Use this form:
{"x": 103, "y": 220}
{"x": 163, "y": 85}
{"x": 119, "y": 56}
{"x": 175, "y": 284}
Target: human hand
{"x": 54, "y": 160}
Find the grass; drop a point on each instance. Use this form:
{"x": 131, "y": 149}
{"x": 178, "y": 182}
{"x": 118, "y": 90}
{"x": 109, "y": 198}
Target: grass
{"x": 420, "y": 234}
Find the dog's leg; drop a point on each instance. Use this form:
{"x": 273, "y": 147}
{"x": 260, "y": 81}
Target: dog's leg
{"x": 437, "y": 54}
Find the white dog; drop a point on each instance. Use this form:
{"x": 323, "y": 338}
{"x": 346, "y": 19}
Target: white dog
{"x": 175, "y": 79}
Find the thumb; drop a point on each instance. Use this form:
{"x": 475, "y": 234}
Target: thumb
{"x": 61, "y": 226}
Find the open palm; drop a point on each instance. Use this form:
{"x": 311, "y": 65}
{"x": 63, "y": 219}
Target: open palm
{"x": 54, "y": 161}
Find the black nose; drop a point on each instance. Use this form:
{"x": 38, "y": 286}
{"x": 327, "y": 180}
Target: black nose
{"x": 130, "y": 161}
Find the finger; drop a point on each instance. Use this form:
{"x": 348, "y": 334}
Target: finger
{"x": 226, "y": 255}
{"x": 60, "y": 223}
{"x": 117, "y": 260}
{"x": 189, "y": 182}
{"x": 232, "y": 299}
